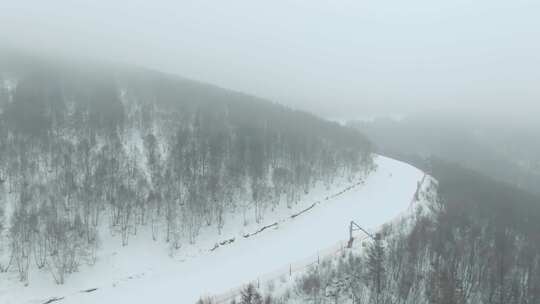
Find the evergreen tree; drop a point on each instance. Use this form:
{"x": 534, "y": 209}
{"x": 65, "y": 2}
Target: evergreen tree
{"x": 250, "y": 295}
{"x": 375, "y": 266}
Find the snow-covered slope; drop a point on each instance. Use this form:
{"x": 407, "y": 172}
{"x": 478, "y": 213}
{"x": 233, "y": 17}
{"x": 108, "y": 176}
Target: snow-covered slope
{"x": 144, "y": 273}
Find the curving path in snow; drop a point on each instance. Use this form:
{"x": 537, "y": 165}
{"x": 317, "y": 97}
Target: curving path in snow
{"x": 385, "y": 194}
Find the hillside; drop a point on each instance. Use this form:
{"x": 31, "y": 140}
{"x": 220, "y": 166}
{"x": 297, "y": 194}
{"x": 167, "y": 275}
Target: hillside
{"x": 140, "y": 273}
{"x": 89, "y": 150}
{"x": 506, "y": 149}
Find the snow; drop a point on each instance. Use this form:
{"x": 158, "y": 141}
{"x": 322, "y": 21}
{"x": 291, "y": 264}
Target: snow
{"x": 144, "y": 272}
{"x": 343, "y": 121}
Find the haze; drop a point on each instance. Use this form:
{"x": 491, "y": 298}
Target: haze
{"x": 335, "y": 58}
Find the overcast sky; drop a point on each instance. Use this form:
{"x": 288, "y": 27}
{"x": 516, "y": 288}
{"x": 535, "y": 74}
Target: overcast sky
{"x": 336, "y": 58}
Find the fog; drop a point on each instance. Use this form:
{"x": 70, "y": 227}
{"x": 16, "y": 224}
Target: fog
{"x": 341, "y": 59}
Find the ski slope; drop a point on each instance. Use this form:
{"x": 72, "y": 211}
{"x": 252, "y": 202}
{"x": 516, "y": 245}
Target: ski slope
{"x": 157, "y": 278}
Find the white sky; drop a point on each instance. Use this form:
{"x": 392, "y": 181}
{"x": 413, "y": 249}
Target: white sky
{"x": 339, "y": 58}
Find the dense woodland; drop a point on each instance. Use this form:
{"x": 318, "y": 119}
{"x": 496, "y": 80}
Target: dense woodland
{"x": 83, "y": 148}
{"x": 478, "y": 243}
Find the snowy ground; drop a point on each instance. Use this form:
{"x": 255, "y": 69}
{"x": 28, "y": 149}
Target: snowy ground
{"x": 144, "y": 272}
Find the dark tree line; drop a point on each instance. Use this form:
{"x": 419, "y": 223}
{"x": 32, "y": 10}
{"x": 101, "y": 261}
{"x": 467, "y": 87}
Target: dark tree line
{"x": 81, "y": 148}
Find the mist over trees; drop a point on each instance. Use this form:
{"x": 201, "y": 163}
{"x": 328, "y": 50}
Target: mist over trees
{"x": 86, "y": 147}
{"x": 505, "y": 149}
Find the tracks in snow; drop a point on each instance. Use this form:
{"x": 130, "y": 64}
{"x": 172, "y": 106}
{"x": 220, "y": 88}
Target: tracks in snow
{"x": 291, "y": 217}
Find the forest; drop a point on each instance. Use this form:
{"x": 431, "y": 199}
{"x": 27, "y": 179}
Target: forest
{"x": 85, "y": 150}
